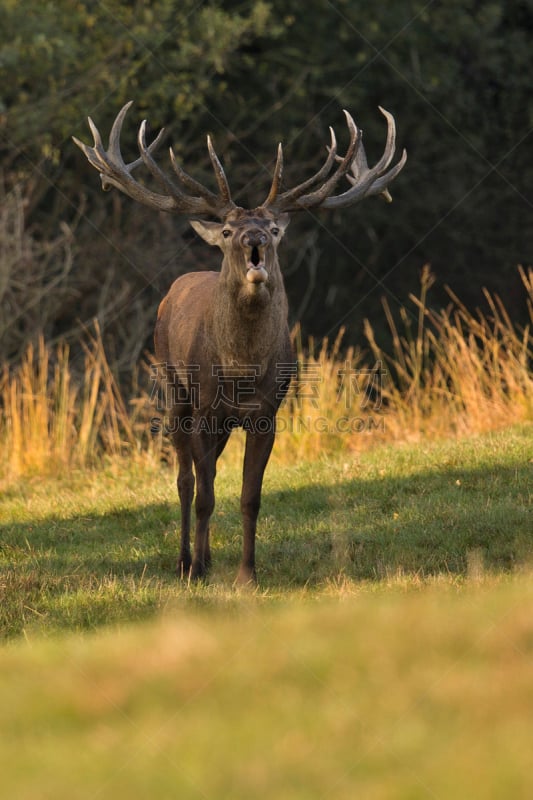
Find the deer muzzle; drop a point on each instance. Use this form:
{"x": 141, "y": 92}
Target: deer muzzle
{"x": 254, "y": 243}
{"x": 256, "y": 272}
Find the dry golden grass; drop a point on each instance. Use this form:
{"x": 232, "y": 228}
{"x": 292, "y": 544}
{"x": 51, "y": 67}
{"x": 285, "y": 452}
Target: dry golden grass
{"x": 449, "y": 372}
{"x": 458, "y": 372}
{"x": 49, "y": 421}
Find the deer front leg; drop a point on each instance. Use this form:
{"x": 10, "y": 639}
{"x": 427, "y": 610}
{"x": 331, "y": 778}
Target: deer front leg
{"x": 257, "y": 453}
{"x": 185, "y": 484}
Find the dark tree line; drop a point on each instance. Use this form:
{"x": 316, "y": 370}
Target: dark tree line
{"x": 456, "y": 76}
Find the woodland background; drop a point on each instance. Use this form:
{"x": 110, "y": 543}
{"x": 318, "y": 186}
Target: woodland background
{"x": 456, "y": 76}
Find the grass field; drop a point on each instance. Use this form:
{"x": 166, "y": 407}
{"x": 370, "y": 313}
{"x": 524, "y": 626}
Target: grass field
{"x": 386, "y": 653}
{"x": 94, "y": 548}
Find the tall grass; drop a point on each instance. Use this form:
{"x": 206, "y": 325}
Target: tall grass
{"x": 457, "y": 372}
{"x": 449, "y": 372}
{"x": 56, "y": 414}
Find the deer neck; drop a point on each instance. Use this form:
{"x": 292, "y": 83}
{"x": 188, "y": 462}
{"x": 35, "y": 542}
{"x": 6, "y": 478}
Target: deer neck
{"x": 249, "y": 322}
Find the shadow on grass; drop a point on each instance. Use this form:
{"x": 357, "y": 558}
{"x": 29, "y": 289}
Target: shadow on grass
{"x": 87, "y": 570}
{"x": 426, "y": 524}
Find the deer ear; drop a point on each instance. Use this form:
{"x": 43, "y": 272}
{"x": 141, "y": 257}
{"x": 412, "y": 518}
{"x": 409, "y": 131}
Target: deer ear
{"x": 209, "y": 231}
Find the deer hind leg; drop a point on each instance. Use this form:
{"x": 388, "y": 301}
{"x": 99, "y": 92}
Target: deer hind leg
{"x": 256, "y": 455}
{"x": 205, "y": 465}
{"x": 185, "y": 484}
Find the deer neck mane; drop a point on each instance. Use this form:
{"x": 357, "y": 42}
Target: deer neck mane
{"x": 249, "y": 324}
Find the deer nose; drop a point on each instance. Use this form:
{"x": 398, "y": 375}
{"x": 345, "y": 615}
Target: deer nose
{"x": 254, "y": 238}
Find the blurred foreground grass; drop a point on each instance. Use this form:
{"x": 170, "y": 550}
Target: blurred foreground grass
{"x": 400, "y": 692}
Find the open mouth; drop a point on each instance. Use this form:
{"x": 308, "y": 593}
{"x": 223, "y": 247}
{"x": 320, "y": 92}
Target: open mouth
{"x": 255, "y": 257}
{"x": 255, "y": 263}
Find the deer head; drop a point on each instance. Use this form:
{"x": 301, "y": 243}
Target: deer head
{"x": 249, "y": 241}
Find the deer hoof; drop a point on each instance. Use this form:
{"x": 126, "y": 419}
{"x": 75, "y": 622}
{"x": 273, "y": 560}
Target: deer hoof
{"x": 247, "y": 578}
{"x": 198, "y": 571}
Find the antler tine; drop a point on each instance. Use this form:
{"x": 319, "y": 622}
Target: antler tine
{"x": 112, "y": 160}
{"x": 276, "y": 180}
{"x": 114, "y": 140}
{"x": 98, "y": 144}
{"x": 381, "y": 184}
{"x": 188, "y": 181}
{"x": 284, "y": 201}
{"x": 317, "y": 197}
{"x": 93, "y": 154}
{"x": 390, "y": 144}
{"x": 116, "y": 130}
{"x": 360, "y": 165}
{"x": 220, "y": 175}
{"x": 369, "y": 182}
{"x": 149, "y": 162}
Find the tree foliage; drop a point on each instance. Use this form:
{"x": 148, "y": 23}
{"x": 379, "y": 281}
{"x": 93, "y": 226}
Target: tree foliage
{"x": 455, "y": 75}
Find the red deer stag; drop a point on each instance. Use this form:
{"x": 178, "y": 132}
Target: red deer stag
{"x": 230, "y": 327}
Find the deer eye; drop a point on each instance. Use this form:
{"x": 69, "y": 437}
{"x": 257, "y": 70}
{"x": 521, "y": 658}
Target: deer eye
{"x": 226, "y": 233}
{"x": 274, "y": 231}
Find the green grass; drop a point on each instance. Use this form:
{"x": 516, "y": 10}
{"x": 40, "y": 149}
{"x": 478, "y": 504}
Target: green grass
{"x": 98, "y": 548}
{"x": 386, "y": 653}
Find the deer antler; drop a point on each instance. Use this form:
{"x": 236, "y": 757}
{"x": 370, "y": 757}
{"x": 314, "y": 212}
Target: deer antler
{"x": 194, "y": 198}
{"x": 365, "y": 181}
{"x": 115, "y": 172}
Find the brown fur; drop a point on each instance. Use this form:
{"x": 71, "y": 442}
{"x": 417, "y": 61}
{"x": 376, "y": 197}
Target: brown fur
{"x": 211, "y": 325}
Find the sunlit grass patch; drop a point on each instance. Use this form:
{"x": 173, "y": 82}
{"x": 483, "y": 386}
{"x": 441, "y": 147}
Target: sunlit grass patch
{"x": 100, "y": 546}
